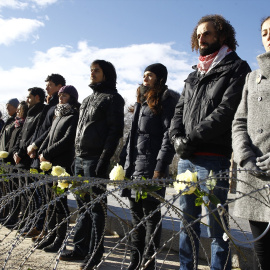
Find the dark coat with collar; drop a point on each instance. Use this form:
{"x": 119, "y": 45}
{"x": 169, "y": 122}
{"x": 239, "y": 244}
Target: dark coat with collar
{"x": 6, "y": 132}
{"x": 26, "y": 134}
{"x": 148, "y": 147}
{"x": 207, "y": 106}
{"x": 58, "y": 147}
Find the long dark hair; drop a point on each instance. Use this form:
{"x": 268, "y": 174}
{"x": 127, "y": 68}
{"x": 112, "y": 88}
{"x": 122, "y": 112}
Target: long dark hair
{"x": 153, "y": 97}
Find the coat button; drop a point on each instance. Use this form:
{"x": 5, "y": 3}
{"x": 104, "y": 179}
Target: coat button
{"x": 260, "y": 130}
{"x": 259, "y": 98}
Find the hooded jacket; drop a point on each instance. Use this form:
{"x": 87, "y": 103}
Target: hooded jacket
{"x": 101, "y": 123}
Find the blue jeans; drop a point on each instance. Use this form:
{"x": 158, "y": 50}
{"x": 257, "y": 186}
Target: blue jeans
{"x": 92, "y": 225}
{"x": 189, "y": 238}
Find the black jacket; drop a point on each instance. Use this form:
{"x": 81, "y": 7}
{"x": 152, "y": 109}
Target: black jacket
{"x": 58, "y": 147}
{"x": 148, "y": 147}
{"x": 26, "y": 134}
{"x": 6, "y": 132}
{"x": 207, "y": 106}
{"x": 11, "y": 146}
{"x": 43, "y": 126}
{"x": 100, "y": 124}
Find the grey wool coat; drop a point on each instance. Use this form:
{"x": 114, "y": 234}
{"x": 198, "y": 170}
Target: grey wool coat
{"x": 251, "y": 138}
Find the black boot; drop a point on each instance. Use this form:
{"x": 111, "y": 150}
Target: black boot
{"x": 60, "y": 234}
{"x": 51, "y": 217}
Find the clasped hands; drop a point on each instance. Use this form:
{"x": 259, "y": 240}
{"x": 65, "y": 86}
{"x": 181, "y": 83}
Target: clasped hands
{"x": 258, "y": 166}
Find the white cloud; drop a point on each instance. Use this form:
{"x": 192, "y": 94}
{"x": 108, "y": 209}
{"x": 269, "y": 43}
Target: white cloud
{"x": 13, "y": 4}
{"x": 44, "y": 2}
{"x": 73, "y": 64}
{"x": 17, "y": 29}
{"x": 16, "y": 4}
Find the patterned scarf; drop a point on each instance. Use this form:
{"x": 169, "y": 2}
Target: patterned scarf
{"x": 206, "y": 63}
{"x": 63, "y": 109}
{"x": 19, "y": 121}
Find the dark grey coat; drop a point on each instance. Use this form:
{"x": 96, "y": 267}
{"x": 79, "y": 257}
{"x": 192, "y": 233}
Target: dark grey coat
{"x": 251, "y": 138}
{"x": 148, "y": 147}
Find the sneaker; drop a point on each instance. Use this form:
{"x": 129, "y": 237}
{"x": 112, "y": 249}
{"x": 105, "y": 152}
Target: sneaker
{"x": 32, "y": 233}
{"x": 71, "y": 255}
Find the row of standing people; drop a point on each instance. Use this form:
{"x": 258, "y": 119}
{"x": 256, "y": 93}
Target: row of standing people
{"x": 198, "y": 127}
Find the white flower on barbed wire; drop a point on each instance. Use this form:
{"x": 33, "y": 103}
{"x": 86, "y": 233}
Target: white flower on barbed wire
{"x": 57, "y": 170}
{"x": 45, "y": 165}
{"x": 117, "y": 173}
{"x": 63, "y": 184}
{"x": 3, "y": 154}
{"x": 211, "y": 181}
{"x": 186, "y": 182}
{"x": 225, "y": 237}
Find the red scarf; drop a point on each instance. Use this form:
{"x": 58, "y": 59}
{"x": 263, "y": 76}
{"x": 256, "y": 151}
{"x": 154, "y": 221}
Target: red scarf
{"x": 206, "y": 61}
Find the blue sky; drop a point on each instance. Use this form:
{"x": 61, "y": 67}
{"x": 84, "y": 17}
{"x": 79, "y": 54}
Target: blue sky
{"x": 40, "y": 37}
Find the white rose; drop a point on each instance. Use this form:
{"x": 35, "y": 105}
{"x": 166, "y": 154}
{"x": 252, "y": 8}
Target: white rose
{"x": 45, "y": 165}
{"x": 225, "y": 237}
{"x": 186, "y": 181}
{"x": 211, "y": 181}
{"x": 57, "y": 170}
{"x": 117, "y": 173}
{"x": 63, "y": 184}
{"x": 3, "y": 154}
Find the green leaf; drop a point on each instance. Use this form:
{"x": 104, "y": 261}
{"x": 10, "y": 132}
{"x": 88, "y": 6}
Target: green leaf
{"x": 138, "y": 195}
{"x": 199, "y": 201}
{"x": 198, "y": 193}
{"x": 213, "y": 199}
{"x": 144, "y": 195}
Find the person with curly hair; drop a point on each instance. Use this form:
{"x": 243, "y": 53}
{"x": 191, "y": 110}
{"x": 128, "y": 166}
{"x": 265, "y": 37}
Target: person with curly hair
{"x": 201, "y": 130}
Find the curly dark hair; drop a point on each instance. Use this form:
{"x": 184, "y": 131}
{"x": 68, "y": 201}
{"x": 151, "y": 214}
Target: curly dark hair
{"x": 56, "y": 79}
{"x": 223, "y": 28}
{"x": 264, "y": 19}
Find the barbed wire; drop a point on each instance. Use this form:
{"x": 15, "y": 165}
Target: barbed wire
{"x": 39, "y": 193}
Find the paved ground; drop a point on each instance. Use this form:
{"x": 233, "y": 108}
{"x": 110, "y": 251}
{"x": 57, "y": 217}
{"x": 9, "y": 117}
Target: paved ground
{"x": 41, "y": 260}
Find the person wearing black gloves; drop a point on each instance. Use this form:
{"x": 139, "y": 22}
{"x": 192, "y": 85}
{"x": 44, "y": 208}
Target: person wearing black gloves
{"x": 201, "y": 128}
{"x": 99, "y": 129}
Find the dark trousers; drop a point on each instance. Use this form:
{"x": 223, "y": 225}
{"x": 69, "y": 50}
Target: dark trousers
{"x": 262, "y": 246}
{"x": 141, "y": 244}
{"x": 89, "y": 233}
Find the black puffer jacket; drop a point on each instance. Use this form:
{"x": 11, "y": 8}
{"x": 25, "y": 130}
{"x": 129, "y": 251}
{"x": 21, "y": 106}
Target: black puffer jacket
{"x": 58, "y": 146}
{"x": 26, "y": 134}
{"x": 101, "y": 123}
{"x": 207, "y": 106}
{"x": 148, "y": 147}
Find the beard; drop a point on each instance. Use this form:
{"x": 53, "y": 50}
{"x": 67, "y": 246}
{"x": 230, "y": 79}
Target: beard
{"x": 210, "y": 49}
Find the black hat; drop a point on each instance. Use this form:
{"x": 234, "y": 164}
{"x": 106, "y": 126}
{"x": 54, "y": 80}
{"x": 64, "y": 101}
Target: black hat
{"x": 159, "y": 70}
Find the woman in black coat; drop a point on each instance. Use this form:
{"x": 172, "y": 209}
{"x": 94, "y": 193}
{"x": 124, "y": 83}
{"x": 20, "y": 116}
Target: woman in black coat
{"x": 14, "y": 207}
{"x": 58, "y": 148}
{"x": 148, "y": 153}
